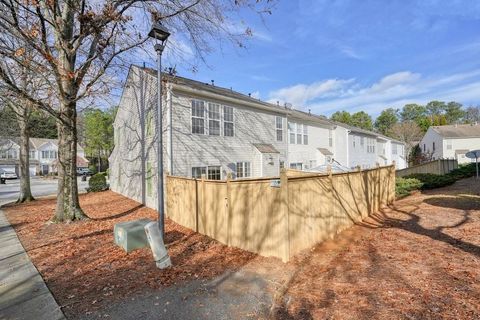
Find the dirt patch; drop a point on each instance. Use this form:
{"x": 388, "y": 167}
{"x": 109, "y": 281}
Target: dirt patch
{"x": 419, "y": 260}
{"x": 85, "y": 270}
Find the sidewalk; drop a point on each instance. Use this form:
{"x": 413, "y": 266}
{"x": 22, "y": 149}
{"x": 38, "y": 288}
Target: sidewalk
{"x": 23, "y": 294}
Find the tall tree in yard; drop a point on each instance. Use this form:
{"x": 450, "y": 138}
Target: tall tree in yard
{"x": 386, "y": 120}
{"x": 79, "y": 48}
{"x": 99, "y": 134}
{"x": 22, "y": 110}
{"x": 362, "y": 120}
{"x": 408, "y": 132}
{"x": 342, "y": 116}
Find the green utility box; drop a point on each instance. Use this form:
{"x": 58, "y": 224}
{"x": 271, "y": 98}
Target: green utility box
{"x": 131, "y": 235}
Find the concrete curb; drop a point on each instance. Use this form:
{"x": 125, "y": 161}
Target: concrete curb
{"x": 23, "y": 293}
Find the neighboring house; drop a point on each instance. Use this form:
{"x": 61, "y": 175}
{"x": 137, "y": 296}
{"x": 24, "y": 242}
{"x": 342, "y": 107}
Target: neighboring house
{"x": 213, "y": 131}
{"x": 366, "y": 149}
{"x": 43, "y": 156}
{"x": 451, "y": 141}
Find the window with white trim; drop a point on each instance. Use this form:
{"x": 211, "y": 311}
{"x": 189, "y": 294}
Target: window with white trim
{"x": 243, "y": 169}
{"x": 213, "y": 119}
{"x": 299, "y": 133}
{"x": 198, "y": 171}
{"x": 198, "y": 117}
{"x": 228, "y": 127}
{"x": 362, "y": 141}
{"x": 282, "y": 164}
{"x": 214, "y": 173}
{"x": 32, "y": 154}
{"x": 291, "y": 131}
{"x": 296, "y": 166}
{"x": 279, "y": 128}
{"x": 394, "y": 148}
{"x": 305, "y": 134}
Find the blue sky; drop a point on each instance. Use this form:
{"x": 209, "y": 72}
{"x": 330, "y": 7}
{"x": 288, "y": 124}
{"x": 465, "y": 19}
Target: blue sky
{"x": 355, "y": 55}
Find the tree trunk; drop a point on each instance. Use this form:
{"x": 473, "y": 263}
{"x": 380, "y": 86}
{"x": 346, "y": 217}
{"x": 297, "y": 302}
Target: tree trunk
{"x": 25, "y": 191}
{"x": 68, "y": 204}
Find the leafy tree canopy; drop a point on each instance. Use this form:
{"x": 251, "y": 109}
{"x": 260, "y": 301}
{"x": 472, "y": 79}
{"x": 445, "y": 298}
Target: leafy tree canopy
{"x": 386, "y": 120}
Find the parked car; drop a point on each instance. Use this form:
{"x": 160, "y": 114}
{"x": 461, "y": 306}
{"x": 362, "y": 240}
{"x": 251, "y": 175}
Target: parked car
{"x": 84, "y": 171}
{"x": 4, "y": 174}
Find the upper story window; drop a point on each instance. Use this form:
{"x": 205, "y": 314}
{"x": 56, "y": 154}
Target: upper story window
{"x": 228, "y": 127}
{"x": 279, "y": 128}
{"x": 305, "y": 134}
{"x": 362, "y": 141}
{"x": 207, "y": 119}
{"x": 49, "y": 154}
{"x": 433, "y": 146}
{"x": 298, "y": 133}
{"x": 291, "y": 132}
{"x": 394, "y": 149}
{"x": 371, "y": 145}
{"x": 9, "y": 154}
{"x": 198, "y": 117}
{"x": 213, "y": 119}
{"x": 32, "y": 154}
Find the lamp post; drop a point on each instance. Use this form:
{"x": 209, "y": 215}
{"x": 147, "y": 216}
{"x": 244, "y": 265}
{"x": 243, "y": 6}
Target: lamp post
{"x": 160, "y": 34}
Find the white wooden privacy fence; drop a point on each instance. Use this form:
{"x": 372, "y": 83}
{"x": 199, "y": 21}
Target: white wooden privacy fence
{"x": 278, "y": 217}
{"x": 439, "y": 166}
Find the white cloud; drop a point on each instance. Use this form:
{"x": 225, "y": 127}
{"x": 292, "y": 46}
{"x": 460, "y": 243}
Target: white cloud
{"x": 301, "y": 93}
{"x": 393, "y": 90}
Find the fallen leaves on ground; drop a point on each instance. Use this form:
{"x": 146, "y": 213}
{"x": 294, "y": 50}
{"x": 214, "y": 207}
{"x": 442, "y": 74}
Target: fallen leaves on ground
{"x": 417, "y": 260}
{"x": 85, "y": 270}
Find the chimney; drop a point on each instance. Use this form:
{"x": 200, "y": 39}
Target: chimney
{"x": 213, "y": 82}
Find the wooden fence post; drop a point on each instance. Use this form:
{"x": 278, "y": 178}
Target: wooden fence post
{"x": 202, "y": 206}
{"x": 229, "y": 208}
{"x": 286, "y": 215}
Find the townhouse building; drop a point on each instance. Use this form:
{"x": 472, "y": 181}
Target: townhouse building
{"x": 43, "y": 156}
{"x": 214, "y": 131}
{"x": 451, "y": 141}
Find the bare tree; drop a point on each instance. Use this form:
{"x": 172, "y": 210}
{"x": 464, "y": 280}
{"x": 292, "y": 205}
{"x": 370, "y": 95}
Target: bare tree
{"x": 22, "y": 111}
{"x": 408, "y": 132}
{"x": 80, "y": 48}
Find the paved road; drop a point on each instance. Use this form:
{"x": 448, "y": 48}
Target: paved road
{"x": 40, "y": 187}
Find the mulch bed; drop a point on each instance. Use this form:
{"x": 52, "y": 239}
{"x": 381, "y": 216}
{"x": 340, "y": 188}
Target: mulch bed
{"x": 418, "y": 260}
{"x": 83, "y": 267}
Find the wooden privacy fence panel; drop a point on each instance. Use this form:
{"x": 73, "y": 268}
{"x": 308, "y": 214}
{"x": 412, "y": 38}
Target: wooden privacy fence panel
{"x": 271, "y": 220}
{"x": 439, "y": 166}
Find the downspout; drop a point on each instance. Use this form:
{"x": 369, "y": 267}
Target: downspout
{"x": 287, "y": 161}
{"x": 142, "y": 135}
{"x": 170, "y": 108}
{"x": 348, "y": 151}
